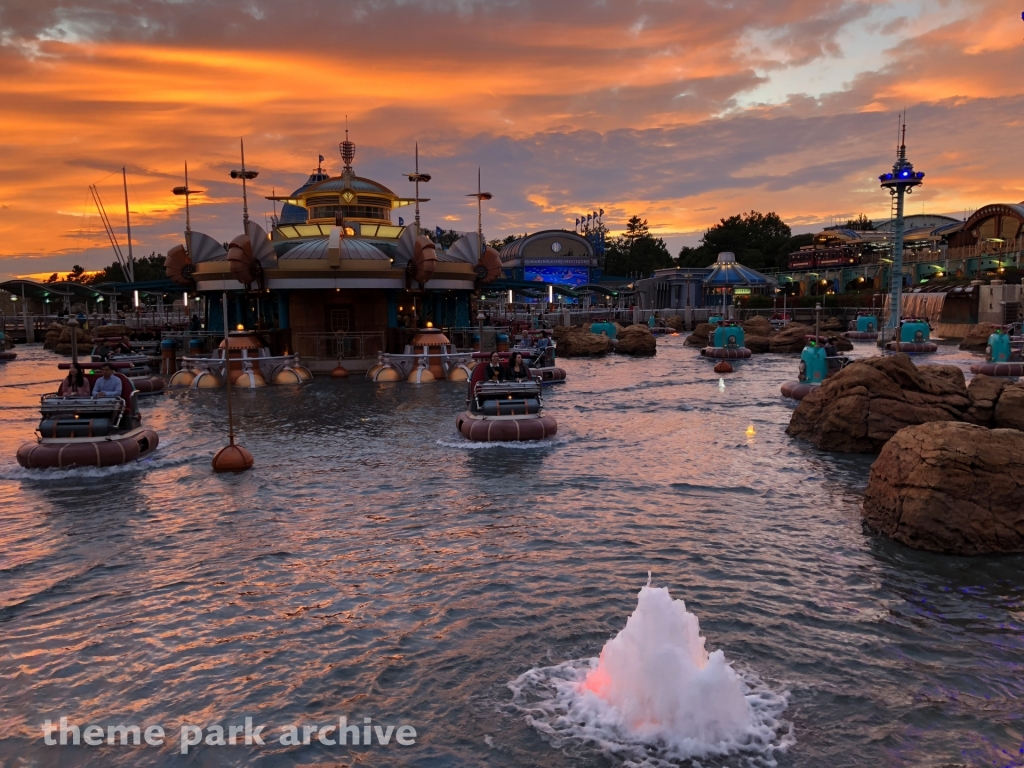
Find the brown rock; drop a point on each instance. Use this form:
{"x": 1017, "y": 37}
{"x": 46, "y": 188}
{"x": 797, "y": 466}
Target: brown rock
{"x": 636, "y": 340}
{"x": 858, "y": 409}
{"x": 983, "y": 392}
{"x": 977, "y": 337}
{"x": 65, "y": 334}
{"x": 559, "y": 331}
{"x": 951, "y": 373}
{"x": 758, "y": 325}
{"x": 106, "y": 331}
{"x": 675, "y": 322}
{"x": 758, "y": 345}
{"x": 701, "y": 335}
{"x": 791, "y": 338}
{"x": 1009, "y": 411}
{"x": 579, "y": 342}
{"x": 832, "y": 324}
{"x": 952, "y": 488}
{"x": 842, "y": 344}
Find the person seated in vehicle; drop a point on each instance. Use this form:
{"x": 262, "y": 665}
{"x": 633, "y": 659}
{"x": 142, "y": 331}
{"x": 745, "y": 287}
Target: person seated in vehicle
{"x": 517, "y": 369}
{"x": 543, "y": 345}
{"x": 494, "y": 370}
{"x": 830, "y": 347}
{"x": 75, "y": 385}
{"x": 107, "y": 385}
{"x": 102, "y": 351}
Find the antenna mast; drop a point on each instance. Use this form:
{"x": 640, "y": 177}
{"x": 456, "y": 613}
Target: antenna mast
{"x": 128, "y": 223}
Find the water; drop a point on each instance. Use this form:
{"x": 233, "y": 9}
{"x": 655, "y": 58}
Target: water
{"x": 376, "y": 565}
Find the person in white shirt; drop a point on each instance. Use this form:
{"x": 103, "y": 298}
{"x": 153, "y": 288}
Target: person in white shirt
{"x": 107, "y": 385}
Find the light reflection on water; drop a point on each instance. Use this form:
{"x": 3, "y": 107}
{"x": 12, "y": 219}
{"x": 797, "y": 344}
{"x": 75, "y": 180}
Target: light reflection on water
{"x": 375, "y": 564}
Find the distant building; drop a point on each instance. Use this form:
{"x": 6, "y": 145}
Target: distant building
{"x": 916, "y": 221}
{"x": 552, "y": 256}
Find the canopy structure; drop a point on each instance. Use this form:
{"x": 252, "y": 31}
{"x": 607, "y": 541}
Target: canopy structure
{"x": 728, "y": 273}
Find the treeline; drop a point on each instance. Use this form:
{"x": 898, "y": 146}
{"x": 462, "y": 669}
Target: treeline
{"x": 146, "y": 268}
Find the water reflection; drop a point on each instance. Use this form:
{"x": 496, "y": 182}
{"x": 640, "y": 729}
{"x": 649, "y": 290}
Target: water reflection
{"x": 376, "y": 564}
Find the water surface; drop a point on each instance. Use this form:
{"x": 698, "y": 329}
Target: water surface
{"x": 374, "y": 564}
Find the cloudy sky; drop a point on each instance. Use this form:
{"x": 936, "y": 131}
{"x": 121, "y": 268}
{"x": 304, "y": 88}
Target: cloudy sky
{"x": 682, "y": 111}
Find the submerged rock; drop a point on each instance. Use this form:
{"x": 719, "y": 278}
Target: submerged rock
{"x": 858, "y": 409}
{"x": 636, "y": 340}
{"x": 952, "y": 488}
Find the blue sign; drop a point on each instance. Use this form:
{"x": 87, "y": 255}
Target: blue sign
{"x": 572, "y": 276}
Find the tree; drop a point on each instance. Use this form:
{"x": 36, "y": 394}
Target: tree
{"x": 446, "y": 239}
{"x": 76, "y": 275}
{"x": 861, "y": 224}
{"x": 756, "y": 238}
{"x": 146, "y": 268}
{"x": 636, "y": 251}
{"x": 501, "y": 243}
{"x": 52, "y": 278}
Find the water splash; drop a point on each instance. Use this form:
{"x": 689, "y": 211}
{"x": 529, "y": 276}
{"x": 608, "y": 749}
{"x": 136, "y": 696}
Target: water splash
{"x": 721, "y": 383}
{"x": 656, "y": 696}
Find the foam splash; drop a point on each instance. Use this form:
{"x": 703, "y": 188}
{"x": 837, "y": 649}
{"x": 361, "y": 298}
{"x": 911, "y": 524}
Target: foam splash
{"x": 655, "y": 696}
{"x": 524, "y": 445}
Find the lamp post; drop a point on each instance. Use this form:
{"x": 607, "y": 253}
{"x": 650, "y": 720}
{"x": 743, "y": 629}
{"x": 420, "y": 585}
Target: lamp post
{"x": 232, "y": 457}
{"x": 899, "y": 182}
{"x": 418, "y": 177}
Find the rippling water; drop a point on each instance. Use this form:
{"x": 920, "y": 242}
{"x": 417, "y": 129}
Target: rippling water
{"x": 376, "y": 565}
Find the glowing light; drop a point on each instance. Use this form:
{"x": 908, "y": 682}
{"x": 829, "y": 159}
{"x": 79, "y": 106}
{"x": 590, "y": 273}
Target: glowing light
{"x": 240, "y": 327}
{"x": 429, "y": 324}
{"x": 136, "y": 297}
{"x": 751, "y": 431}
{"x": 721, "y": 383}
{"x": 184, "y": 299}
{"x": 551, "y": 294}
{"x": 509, "y": 295}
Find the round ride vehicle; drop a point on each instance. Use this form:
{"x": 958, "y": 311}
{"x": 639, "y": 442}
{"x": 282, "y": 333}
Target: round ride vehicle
{"x": 865, "y": 327}
{"x": 779, "y": 319}
{"x": 816, "y": 365}
{"x": 117, "y": 350}
{"x": 6, "y": 355}
{"x": 89, "y": 430}
{"x": 1001, "y": 359}
{"x": 541, "y": 359}
{"x": 504, "y": 411}
{"x": 727, "y": 342}
{"x": 915, "y": 335}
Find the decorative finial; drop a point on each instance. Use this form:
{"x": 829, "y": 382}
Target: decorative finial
{"x": 347, "y": 149}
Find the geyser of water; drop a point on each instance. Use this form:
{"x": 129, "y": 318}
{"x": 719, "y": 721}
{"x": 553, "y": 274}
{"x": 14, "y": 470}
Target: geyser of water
{"x": 655, "y": 694}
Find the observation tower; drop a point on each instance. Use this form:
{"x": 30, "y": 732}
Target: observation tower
{"x": 900, "y": 181}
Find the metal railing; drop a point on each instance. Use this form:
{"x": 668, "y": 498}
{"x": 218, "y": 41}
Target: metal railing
{"x": 338, "y": 346}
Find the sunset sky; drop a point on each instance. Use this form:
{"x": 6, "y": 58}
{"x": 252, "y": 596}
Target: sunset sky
{"x": 682, "y": 112}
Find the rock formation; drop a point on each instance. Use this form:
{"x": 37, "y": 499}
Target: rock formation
{"x": 636, "y": 340}
{"x": 579, "y": 342}
{"x": 791, "y": 338}
{"x": 675, "y": 322}
{"x": 977, "y": 337}
{"x": 984, "y": 392}
{"x": 701, "y": 335}
{"x": 952, "y": 488}
{"x": 1009, "y": 409}
{"x": 858, "y": 409}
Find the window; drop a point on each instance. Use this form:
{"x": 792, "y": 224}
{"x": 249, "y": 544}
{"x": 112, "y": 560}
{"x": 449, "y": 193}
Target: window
{"x": 340, "y": 320}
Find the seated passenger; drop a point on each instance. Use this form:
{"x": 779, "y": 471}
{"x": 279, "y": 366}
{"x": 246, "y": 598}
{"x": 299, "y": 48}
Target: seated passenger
{"x": 107, "y": 385}
{"x": 517, "y": 369}
{"x": 75, "y": 385}
{"x": 102, "y": 351}
{"x": 494, "y": 371}
{"x": 830, "y": 347}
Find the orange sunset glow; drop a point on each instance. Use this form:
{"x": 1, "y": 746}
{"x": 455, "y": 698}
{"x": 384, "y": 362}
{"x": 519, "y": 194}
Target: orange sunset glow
{"x": 681, "y": 112}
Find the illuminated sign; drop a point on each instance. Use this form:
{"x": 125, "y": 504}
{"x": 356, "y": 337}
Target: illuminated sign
{"x": 573, "y": 276}
{"x": 741, "y": 291}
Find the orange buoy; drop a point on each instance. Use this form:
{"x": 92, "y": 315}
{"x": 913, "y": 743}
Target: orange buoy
{"x": 232, "y": 458}
{"x": 339, "y": 372}
{"x": 723, "y": 367}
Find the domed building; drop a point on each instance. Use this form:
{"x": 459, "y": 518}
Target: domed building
{"x": 336, "y": 277}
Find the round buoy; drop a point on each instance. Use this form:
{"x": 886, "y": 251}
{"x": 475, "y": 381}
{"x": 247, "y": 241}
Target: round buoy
{"x": 287, "y": 376}
{"x": 249, "y": 380}
{"x": 182, "y": 378}
{"x": 304, "y": 373}
{"x": 207, "y": 380}
{"x": 459, "y": 373}
{"x": 387, "y": 373}
{"x": 420, "y": 376}
{"x": 232, "y": 458}
{"x": 339, "y": 372}
{"x": 723, "y": 367}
